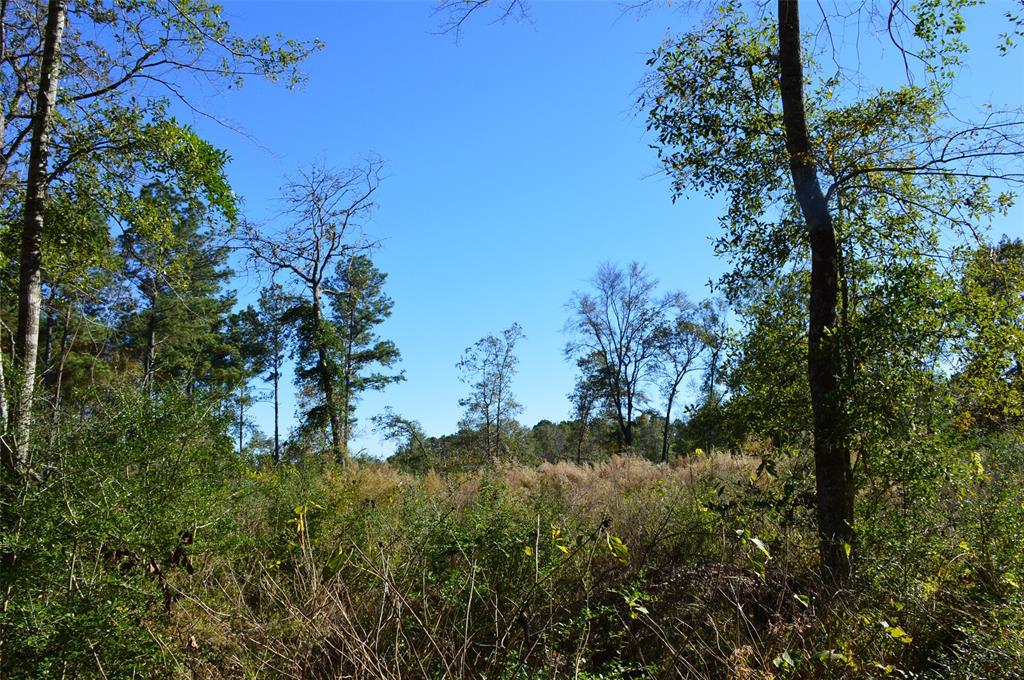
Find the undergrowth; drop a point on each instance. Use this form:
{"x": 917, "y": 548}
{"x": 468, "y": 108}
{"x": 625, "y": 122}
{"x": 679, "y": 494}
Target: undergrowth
{"x": 148, "y": 551}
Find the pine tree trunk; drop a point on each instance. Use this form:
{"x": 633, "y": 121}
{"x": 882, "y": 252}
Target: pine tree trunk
{"x": 327, "y": 385}
{"x": 579, "y": 443}
{"x": 30, "y": 264}
{"x": 241, "y": 421}
{"x": 497, "y": 425}
{"x": 3, "y": 392}
{"x": 834, "y": 478}
{"x": 47, "y": 370}
{"x": 57, "y": 384}
{"x": 346, "y": 403}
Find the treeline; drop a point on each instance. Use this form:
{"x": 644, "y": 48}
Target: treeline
{"x": 643, "y": 357}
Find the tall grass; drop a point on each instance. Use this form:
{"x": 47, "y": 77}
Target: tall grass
{"x": 160, "y": 555}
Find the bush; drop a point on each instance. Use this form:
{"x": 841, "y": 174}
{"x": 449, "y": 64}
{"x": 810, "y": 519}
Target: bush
{"x": 127, "y": 502}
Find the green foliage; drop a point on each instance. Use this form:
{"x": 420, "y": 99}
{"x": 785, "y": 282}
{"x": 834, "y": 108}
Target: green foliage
{"x": 359, "y": 306}
{"x": 96, "y": 552}
{"x": 624, "y": 569}
{"x": 142, "y": 546}
{"x": 181, "y": 325}
{"x": 990, "y": 380}
{"x": 341, "y": 345}
{"x": 488, "y": 367}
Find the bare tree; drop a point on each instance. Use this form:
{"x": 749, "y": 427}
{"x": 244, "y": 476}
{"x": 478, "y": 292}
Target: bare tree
{"x": 488, "y": 368}
{"x": 619, "y": 321}
{"x": 453, "y": 14}
{"x": 325, "y": 210}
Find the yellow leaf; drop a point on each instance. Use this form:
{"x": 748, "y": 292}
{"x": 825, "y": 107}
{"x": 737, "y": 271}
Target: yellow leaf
{"x": 618, "y": 549}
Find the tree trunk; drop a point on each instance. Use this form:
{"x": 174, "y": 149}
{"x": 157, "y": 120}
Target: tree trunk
{"x": 833, "y": 473}
{"x": 327, "y": 385}
{"x": 47, "y": 370}
{"x": 347, "y": 396}
{"x": 30, "y": 261}
{"x": 346, "y": 401}
{"x": 241, "y": 420}
{"x": 579, "y": 443}
{"x": 149, "y": 358}
{"x": 57, "y": 384}
{"x": 497, "y": 423}
{"x": 3, "y": 181}
{"x": 3, "y": 392}
{"x": 668, "y": 425}
{"x": 623, "y": 440}
{"x": 627, "y": 425}
{"x": 277, "y": 409}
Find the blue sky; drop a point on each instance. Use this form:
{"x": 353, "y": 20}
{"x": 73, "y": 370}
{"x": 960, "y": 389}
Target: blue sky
{"x": 516, "y": 163}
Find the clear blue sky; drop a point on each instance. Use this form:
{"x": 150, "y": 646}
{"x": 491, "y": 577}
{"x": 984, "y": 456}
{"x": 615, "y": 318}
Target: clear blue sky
{"x": 516, "y": 163}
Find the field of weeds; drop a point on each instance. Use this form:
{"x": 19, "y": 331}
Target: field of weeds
{"x": 196, "y": 564}
{"x": 624, "y": 568}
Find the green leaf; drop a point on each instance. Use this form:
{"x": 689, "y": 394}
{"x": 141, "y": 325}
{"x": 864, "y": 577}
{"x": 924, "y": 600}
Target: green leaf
{"x": 618, "y": 549}
{"x": 831, "y": 655}
{"x": 900, "y": 635}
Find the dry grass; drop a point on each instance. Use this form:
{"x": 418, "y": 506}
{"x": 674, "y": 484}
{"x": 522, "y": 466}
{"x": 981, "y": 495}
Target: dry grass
{"x": 510, "y": 572}
{"x": 357, "y": 594}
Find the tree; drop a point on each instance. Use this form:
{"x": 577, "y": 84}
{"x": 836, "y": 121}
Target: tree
{"x": 682, "y": 341}
{"x": 990, "y": 350}
{"x": 325, "y": 209}
{"x": 452, "y": 14}
{"x": 82, "y": 107}
{"x": 261, "y": 338}
{"x": 414, "y": 448}
{"x": 767, "y": 376}
{"x": 177, "y": 332}
{"x": 274, "y": 334}
{"x": 818, "y": 175}
{"x": 250, "y": 356}
{"x": 488, "y": 367}
{"x": 586, "y": 396}
{"x": 29, "y": 291}
{"x": 81, "y": 298}
{"x": 619, "y": 323}
{"x": 359, "y": 305}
